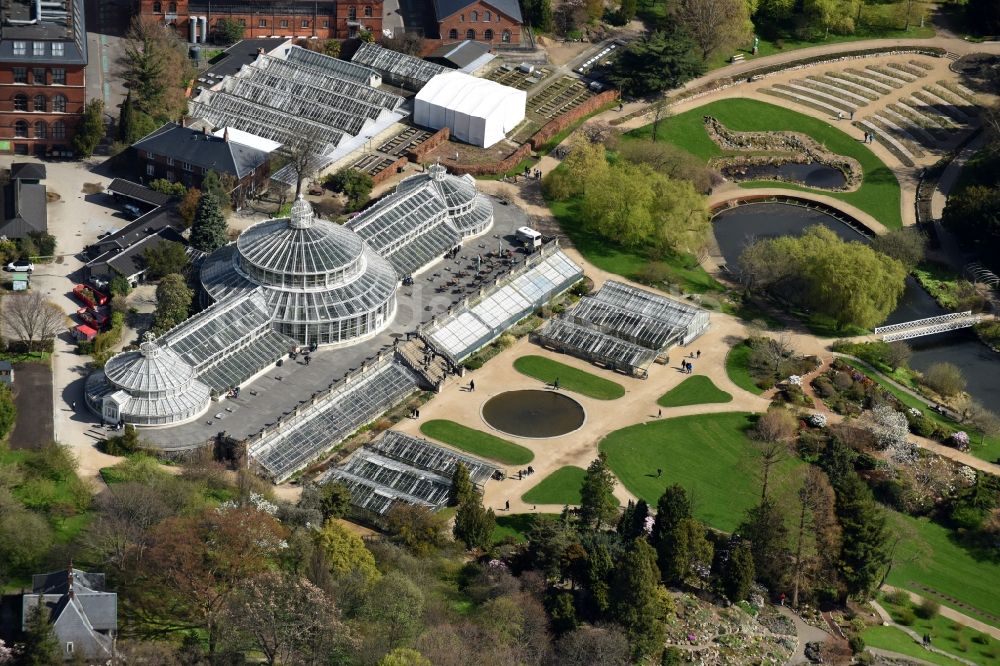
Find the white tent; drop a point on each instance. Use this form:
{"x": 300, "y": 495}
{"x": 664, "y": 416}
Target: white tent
{"x": 477, "y": 111}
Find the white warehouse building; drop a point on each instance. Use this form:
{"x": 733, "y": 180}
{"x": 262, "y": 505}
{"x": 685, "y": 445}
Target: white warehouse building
{"x": 477, "y": 111}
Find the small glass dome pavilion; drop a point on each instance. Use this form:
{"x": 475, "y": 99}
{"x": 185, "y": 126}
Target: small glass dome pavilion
{"x": 152, "y": 386}
{"x": 322, "y": 283}
{"x": 470, "y": 212}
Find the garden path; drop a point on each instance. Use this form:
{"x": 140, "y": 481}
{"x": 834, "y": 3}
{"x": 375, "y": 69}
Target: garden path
{"x": 951, "y": 614}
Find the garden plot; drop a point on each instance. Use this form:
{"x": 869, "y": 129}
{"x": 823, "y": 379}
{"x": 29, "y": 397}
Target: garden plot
{"x": 871, "y": 75}
{"x": 792, "y": 96}
{"x": 838, "y": 91}
{"x": 960, "y": 91}
{"x": 860, "y": 81}
{"x": 911, "y": 72}
{"x": 921, "y": 64}
{"x": 954, "y": 111}
{"x": 933, "y": 116}
{"x": 883, "y": 136}
{"x": 967, "y": 106}
{"x": 890, "y": 126}
{"x": 372, "y": 164}
{"x": 799, "y": 88}
{"x": 515, "y": 78}
{"x": 942, "y": 111}
{"x": 908, "y": 127}
{"x": 408, "y": 139}
{"x": 846, "y": 87}
{"x": 893, "y": 73}
{"x": 919, "y": 120}
{"x": 561, "y": 96}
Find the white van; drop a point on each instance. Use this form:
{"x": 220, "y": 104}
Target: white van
{"x": 529, "y": 237}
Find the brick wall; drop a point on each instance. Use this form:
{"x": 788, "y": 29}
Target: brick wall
{"x": 389, "y": 171}
{"x": 556, "y": 125}
{"x": 73, "y": 92}
{"x": 506, "y": 164}
{"x": 418, "y": 154}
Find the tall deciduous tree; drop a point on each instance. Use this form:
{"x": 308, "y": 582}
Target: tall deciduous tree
{"x": 285, "y": 618}
{"x": 195, "y": 564}
{"x": 865, "y": 550}
{"x": 164, "y": 258}
{"x": 173, "y": 302}
{"x": 155, "y": 68}
{"x": 640, "y": 604}
{"x": 714, "y": 24}
{"x": 346, "y": 553}
{"x": 209, "y": 231}
{"x": 598, "y": 505}
{"x": 765, "y": 530}
{"x": 817, "y": 534}
{"x": 33, "y": 319}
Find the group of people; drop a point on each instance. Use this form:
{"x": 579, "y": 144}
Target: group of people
{"x": 414, "y": 413}
{"x": 521, "y": 473}
{"x": 869, "y": 137}
{"x": 687, "y": 367}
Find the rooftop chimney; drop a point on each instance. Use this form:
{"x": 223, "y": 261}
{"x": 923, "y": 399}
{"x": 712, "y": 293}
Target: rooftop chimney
{"x": 225, "y": 135}
{"x": 69, "y": 580}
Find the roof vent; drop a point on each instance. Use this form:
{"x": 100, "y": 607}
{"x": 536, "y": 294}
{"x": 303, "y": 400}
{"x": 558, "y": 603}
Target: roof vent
{"x": 302, "y": 214}
{"x": 148, "y": 347}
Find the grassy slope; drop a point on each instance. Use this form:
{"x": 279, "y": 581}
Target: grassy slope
{"x": 928, "y": 555}
{"x": 695, "y": 390}
{"x": 950, "y": 636}
{"x": 895, "y": 640}
{"x": 477, "y": 442}
{"x": 570, "y": 378}
{"x": 560, "y": 487}
{"x": 738, "y": 370}
{"x": 878, "y": 195}
{"x": 517, "y": 525}
{"x": 707, "y": 454}
{"x": 989, "y": 450}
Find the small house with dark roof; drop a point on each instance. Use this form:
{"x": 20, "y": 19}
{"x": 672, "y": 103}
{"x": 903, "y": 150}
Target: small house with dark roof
{"x": 83, "y": 616}
{"x": 496, "y": 22}
{"x": 186, "y": 155}
{"x": 23, "y": 202}
{"x": 467, "y": 56}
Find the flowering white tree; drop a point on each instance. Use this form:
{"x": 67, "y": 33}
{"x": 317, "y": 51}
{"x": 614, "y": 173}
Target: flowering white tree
{"x": 890, "y": 427}
{"x": 6, "y": 653}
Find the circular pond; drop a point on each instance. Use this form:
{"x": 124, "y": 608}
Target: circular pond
{"x": 534, "y": 414}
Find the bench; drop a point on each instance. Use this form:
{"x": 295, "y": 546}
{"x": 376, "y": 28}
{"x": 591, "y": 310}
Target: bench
{"x": 739, "y": 57}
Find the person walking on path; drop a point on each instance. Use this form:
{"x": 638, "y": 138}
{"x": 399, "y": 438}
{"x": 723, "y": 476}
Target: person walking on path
{"x": 659, "y": 472}
{"x": 555, "y": 384}
{"x": 698, "y": 354}
{"x": 472, "y": 386}
{"x": 506, "y": 505}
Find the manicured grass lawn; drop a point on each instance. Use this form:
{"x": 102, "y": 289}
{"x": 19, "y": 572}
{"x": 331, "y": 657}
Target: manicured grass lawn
{"x": 929, "y": 556}
{"x": 477, "y": 442}
{"x": 708, "y": 454}
{"x": 738, "y": 368}
{"x": 695, "y": 390}
{"x": 517, "y": 525}
{"x": 988, "y": 450}
{"x": 948, "y": 635}
{"x": 894, "y": 639}
{"x": 878, "y": 194}
{"x": 681, "y": 270}
{"x": 570, "y": 378}
{"x": 560, "y": 487}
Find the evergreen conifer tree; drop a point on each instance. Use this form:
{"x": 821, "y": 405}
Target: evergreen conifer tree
{"x": 738, "y": 571}
{"x": 639, "y": 603}
{"x": 461, "y": 486}
{"x": 598, "y": 505}
{"x": 40, "y": 646}
{"x": 209, "y": 233}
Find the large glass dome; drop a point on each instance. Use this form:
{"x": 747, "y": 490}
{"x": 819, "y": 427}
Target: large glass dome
{"x": 321, "y": 282}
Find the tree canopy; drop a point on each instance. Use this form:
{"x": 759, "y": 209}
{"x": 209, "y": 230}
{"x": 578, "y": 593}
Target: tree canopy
{"x": 656, "y": 62}
{"x": 173, "y": 302}
{"x": 847, "y": 281}
{"x": 209, "y": 232}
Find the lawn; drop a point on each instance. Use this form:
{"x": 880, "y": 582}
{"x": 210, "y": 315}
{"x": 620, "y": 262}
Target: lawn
{"x": 682, "y": 270}
{"x": 989, "y": 450}
{"x": 560, "y": 487}
{"x": 929, "y": 561}
{"x": 738, "y": 368}
{"x": 517, "y": 525}
{"x": 878, "y": 194}
{"x": 695, "y": 390}
{"x": 570, "y": 378}
{"x": 895, "y": 640}
{"x": 947, "y": 635}
{"x": 708, "y": 454}
{"x": 477, "y": 442}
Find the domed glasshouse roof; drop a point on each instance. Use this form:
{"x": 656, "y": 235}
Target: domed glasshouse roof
{"x": 152, "y": 369}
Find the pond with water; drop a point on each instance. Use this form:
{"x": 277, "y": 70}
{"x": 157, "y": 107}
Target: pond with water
{"x": 534, "y": 413}
{"x": 735, "y": 227}
{"x": 811, "y": 175}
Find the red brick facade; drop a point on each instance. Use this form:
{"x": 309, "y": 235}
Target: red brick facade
{"x": 153, "y": 167}
{"x": 323, "y": 19}
{"x": 40, "y": 106}
{"x": 481, "y": 22}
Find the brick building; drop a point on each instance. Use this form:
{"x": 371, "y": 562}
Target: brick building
{"x": 43, "y": 61}
{"x": 186, "y": 155}
{"x": 196, "y": 20}
{"x": 491, "y": 21}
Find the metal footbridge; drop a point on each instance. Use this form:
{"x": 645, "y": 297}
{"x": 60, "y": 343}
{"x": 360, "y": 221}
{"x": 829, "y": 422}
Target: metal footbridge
{"x": 921, "y": 327}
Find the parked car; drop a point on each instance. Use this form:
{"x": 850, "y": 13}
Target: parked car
{"x": 21, "y": 266}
